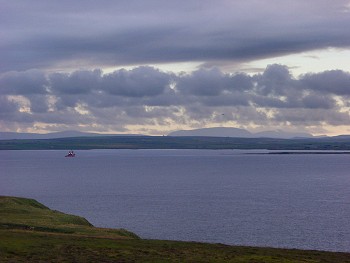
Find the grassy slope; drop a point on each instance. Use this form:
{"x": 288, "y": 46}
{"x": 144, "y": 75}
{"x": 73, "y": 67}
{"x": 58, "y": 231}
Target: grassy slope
{"x": 30, "y": 232}
{"x": 28, "y": 214}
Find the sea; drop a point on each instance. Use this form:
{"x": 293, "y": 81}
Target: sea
{"x": 236, "y": 197}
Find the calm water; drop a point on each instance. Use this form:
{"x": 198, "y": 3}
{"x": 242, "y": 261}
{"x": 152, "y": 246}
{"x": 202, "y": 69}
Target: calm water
{"x": 231, "y": 197}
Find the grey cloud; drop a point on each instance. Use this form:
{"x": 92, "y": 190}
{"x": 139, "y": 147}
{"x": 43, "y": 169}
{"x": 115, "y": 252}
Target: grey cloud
{"x": 78, "y": 82}
{"x": 276, "y": 80}
{"x": 143, "y": 113}
{"x": 139, "y": 82}
{"x": 168, "y": 98}
{"x": 249, "y": 115}
{"x": 65, "y": 101}
{"x": 7, "y": 106}
{"x": 264, "y": 101}
{"x": 196, "y": 112}
{"x": 38, "y": 103}
{"x": 277, "y": 88}
{"x": 120, "y": 88}
{"x": 296, "y": 100}
{"x": 44, "y": 34}
{"x": 299, "y": 116}
{"x": 235, "y": 99}
{"x": 18, "y": 83}
{"x": 333, "y": 81}
{"x": 203, "y": 83}
{"x": 213, "y": 83}
{"x": 241, "y": 82}
{"x": 318, "y": 101}
{"x": 146, "y": 95}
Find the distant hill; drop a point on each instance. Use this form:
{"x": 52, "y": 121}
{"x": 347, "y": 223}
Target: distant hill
{"x": 64, "y": 134}
{"x": 239, "y": 133}
{"x": 282, "y": 134}
{"x": 53, "y": 135}
{"x": 214, "y": 132}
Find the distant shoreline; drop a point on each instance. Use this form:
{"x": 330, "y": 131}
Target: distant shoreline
{"x": 304, "y": 152}
{"x": 180, "y": 142}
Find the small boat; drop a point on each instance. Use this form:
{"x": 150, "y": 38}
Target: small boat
{"x": 70, "y": 154}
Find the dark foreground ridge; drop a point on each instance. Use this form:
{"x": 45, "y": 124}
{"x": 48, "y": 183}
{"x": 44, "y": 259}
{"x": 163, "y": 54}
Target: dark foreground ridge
{"x": 31, "y": 232}
{"x": 184, "y": 142}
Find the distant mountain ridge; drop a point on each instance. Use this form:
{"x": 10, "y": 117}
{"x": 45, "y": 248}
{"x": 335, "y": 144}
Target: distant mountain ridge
{"x": 240, "y": 133}
{"x": 53, "y": 135}
{"x": 215, "y": 132}
{"x": 209, "y": 132}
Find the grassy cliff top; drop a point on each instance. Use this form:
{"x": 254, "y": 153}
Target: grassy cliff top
{"x": 18, "y": 210}
{"x": 31, "y": 232}
{"x": 28, "y": 214}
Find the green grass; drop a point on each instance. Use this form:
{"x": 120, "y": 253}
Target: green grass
{"x": 30, "y": 232}
{"x": 28, "y": 214}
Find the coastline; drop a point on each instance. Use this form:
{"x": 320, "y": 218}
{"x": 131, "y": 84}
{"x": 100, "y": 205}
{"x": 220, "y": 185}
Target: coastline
{"x": 32, "y": 232}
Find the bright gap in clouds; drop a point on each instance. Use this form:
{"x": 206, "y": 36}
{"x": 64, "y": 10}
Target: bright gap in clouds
{"x": 306, "y": 62}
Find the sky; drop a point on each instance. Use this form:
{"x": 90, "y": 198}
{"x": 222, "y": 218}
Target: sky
{"x": 154, "y": 66}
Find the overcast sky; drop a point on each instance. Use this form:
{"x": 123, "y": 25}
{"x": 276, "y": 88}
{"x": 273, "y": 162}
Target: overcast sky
{"x": 154, "y": 66}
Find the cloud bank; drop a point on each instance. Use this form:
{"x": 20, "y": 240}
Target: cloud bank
{"x": 53, "y": 55}
{"x": 150, "y": 99}
{"x": 60, "y": 34}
